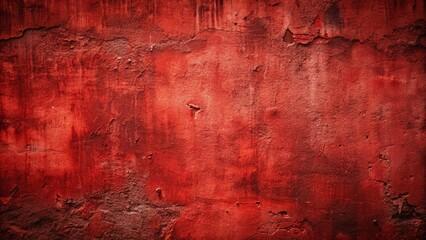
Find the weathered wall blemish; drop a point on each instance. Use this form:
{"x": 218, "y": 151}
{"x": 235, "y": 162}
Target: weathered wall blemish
{"x": 211, "y": 119}
{"x": 333, "y": 17}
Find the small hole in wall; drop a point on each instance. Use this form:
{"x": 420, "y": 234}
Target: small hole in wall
{"x": 288, "y": 37}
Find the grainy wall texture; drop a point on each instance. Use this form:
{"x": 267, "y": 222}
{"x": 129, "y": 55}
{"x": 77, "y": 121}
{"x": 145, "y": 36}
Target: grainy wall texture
{"x": 212, "y": 119}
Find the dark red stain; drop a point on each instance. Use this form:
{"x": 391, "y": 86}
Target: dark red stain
{"x": 208, "y": 119}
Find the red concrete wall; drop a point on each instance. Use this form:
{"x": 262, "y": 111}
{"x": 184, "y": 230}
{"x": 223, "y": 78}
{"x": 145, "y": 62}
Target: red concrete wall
{"x": 207, "y": 119}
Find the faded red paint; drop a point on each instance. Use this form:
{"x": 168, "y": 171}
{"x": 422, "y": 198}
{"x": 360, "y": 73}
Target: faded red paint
{"x": 209, "y": 119}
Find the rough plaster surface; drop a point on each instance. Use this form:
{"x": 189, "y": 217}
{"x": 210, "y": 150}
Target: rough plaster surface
{"x": 203, "y": 119}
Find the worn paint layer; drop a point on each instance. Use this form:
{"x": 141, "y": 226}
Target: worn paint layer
{"x": 212, "y": 119}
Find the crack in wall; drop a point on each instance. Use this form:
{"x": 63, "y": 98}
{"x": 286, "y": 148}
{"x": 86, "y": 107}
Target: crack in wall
{"x": 26, "y": 30}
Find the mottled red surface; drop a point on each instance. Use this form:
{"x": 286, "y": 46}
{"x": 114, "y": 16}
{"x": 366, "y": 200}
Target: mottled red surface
{"x": 203, "y": 119}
